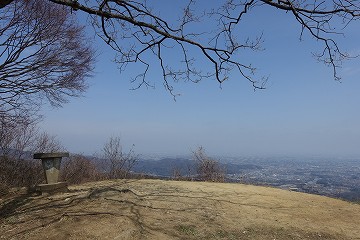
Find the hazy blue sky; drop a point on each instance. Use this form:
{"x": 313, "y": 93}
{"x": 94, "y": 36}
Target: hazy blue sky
{"x": 302, "y": 111}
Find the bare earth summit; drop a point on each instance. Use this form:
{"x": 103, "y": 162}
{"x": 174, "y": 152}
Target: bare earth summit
{"x": 156, "y": 209}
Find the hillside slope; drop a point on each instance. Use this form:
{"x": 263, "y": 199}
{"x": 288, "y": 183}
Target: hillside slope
{"x": 155, "y": 209}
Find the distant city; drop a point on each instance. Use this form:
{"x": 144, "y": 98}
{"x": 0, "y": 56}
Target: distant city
{"x": 338, "y": 178}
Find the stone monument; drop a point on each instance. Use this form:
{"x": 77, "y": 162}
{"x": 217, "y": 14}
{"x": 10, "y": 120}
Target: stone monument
{"x": 51, "y": 164}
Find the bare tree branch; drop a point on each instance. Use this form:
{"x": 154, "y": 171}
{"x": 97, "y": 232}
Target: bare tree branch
{"x": 149, "y": 33}
{"x": 139, "y": 34}
{"x": 43, "y": 55}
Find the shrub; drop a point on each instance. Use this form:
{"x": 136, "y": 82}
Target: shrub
{"x": 79, "y": 169}
{"x": 19, "y": 173}
{"x": 118, "y": 163}
{"x": 208, "y": 169}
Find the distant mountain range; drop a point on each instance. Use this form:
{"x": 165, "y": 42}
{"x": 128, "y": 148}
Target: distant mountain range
{"x": 165, "y": 167}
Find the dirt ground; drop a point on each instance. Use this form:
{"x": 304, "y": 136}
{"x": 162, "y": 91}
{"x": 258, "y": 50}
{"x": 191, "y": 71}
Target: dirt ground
{"x": 155, "y": 209}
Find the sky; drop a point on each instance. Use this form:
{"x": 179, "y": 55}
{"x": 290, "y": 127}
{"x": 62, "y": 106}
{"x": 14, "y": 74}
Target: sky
{"x": 302, "y": 111}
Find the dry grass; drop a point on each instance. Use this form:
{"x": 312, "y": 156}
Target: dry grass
{"x": 155, "y": 209}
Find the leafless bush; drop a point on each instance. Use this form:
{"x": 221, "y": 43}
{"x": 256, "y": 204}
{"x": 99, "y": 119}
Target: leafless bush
{"x": 18, "y": 140}
{"x": 183, "y": 174}
{"x": 4, "y": 189}
{"x": 118, "y": 163}
{"x": 176, "y": 174}
{"x": 20, "y": 173}
{"x": 45, "y": 142}
{"x": 16, "y": 137}
{"x": 79, "y": 169}
{"x": 208, "y": 169}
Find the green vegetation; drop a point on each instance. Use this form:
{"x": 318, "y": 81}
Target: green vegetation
{"x": 187, "y": 229}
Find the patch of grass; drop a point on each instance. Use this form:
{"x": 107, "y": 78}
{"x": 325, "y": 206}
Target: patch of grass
{"x": 222, "y": 234}
{"x": 189, "y": 230}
